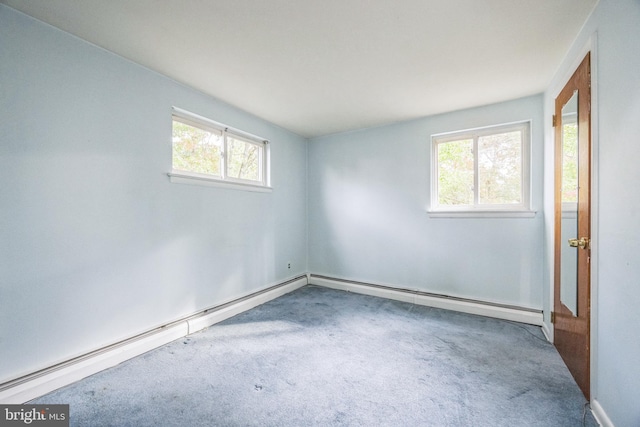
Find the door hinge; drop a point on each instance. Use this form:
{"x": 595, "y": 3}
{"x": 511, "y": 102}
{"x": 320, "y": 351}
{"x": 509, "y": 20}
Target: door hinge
{"x": 554, "y": 121}
{"x": 553, "y": 317}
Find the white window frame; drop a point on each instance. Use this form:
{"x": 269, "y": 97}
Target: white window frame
{"x": 522, "y": 209}
{"x": 222, "y": 180}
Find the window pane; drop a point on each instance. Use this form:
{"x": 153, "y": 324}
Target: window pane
{"x": 455, "y": 172}
{"x": 196, "y": 150}
{"x": 500, "y": 168}
{"x": 244, "y": 159}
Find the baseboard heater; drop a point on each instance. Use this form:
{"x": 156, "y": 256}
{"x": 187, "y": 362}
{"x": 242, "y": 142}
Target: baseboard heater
{"x": 482, "y": 308}
{"x": 35, "y": 384}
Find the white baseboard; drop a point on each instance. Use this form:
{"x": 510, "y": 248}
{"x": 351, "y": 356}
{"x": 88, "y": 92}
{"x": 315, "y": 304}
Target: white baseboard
{"x": 515, "y": 314}
{"x": 36, "y": 385}
{"x": 39, "y": 383}
{"x": 598, "y": 413}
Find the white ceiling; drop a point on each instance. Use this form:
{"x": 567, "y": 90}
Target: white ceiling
{"x": 318, "y": 67}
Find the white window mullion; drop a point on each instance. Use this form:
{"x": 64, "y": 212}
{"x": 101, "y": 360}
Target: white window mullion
{"x": 261, "y": 164}
{"x": 476, "y": 181}
{"x": 524, "y": 169}
{"x": 223, "y": 156}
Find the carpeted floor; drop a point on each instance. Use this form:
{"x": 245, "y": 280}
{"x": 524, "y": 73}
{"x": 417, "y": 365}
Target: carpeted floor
{"x": 321, "y": 357}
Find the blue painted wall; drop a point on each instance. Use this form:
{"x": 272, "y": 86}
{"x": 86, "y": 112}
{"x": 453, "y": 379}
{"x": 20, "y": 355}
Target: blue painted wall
{"x": 369, "y": 192}
{"x": 97, "y": 244}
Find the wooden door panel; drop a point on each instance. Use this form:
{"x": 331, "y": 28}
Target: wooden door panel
{"x": 572, "y": 325}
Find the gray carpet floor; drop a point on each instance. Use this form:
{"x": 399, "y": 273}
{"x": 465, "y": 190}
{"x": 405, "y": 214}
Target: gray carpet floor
{"x": 321, "y": 357}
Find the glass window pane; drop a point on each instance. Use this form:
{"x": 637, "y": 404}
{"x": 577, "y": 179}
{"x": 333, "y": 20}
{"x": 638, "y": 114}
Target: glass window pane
{"x": 196, "y": 150}
{"x": 244, "y": 159}
{"x": 455, "y": 173}
{"x": 500, "y": 168}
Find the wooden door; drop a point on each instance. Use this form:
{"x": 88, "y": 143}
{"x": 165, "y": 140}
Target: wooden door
{"x": 572, "y": 293}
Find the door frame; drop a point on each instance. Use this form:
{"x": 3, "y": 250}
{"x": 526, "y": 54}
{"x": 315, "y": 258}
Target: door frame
{"x": 564, "y": 73}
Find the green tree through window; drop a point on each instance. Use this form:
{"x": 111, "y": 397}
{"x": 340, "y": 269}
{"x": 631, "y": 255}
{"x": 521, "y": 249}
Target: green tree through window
{"x": 204, "y": 149}
{"x": 482, "y": 168}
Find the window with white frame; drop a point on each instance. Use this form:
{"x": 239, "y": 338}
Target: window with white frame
{"x": 485, "y": 169}
{"x": 207, "y": 151}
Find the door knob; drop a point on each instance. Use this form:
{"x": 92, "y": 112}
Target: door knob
{"x": 582, "y": 243}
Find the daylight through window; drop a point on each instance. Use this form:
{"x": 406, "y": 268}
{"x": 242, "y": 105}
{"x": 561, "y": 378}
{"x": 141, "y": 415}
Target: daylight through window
{"x": 207, "y": 150}
{"x": 481, "y": 169}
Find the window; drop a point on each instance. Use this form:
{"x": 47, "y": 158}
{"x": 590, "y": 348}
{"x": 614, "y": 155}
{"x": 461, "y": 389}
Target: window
{"x": 481, "y": 170}
{"x": 210, "y": 153}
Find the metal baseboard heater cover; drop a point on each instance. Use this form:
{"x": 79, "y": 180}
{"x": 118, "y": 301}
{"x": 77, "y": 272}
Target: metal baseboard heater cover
{"x": 37, "y": 383}
{"x": 413, "y": 296}
{"x": 32, "y": 385}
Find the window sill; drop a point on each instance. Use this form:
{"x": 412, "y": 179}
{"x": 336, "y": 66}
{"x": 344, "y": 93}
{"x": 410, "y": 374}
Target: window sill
{"x": 183, "y": 178}
{"x": 482, "y": 214}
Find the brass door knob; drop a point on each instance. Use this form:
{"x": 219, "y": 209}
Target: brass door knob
{"x": 582, "y": 243}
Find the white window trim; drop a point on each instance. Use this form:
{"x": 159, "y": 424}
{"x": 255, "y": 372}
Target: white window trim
{"x": 193, "y": 178}
{"x": 522, "y": 210}
{"x": 207, "y": 181}
{"x": 483, "y": 214}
